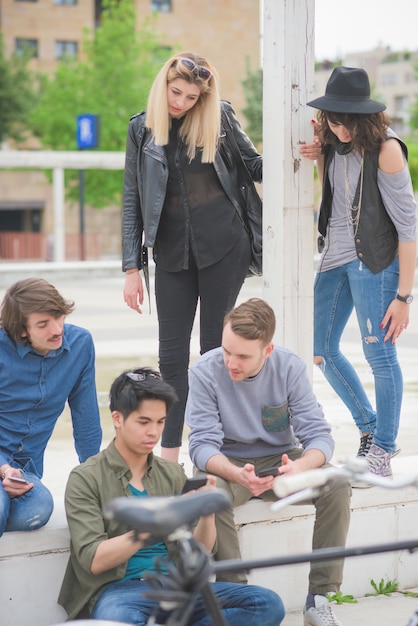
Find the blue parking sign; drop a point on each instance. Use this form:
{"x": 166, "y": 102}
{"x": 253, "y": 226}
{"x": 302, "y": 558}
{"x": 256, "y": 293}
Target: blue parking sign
{"x": 87, "y": 131}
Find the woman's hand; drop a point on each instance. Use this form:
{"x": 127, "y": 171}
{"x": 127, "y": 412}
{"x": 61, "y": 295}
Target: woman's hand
{"x": 396, "y": 319}
{"x": 133, "y": 292}
{"x": 312, "y": 150}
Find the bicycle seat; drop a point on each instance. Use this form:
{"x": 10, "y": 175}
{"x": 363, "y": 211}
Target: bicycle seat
{"x": 162, "y": 515}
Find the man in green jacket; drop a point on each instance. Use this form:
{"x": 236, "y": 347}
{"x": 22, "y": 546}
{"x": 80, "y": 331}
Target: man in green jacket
{"x": 105, "y": 574}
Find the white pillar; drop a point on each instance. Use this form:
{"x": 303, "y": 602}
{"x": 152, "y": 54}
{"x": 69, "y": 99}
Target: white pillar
{"x": 59, "y": 205}
{"x": 287, "y": 179}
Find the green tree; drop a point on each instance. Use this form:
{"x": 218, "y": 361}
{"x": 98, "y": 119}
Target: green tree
{"x": 17, "y": 94}
{"x": 413, "y": 162}
{"x": 412, "y": 141}
{"x": 253, "y": 111}
{"x": 111, "y": 80}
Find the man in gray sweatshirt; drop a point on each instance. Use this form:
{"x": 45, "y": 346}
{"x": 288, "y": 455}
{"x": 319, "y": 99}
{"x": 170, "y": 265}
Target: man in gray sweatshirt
{"x": 250, "y": 407}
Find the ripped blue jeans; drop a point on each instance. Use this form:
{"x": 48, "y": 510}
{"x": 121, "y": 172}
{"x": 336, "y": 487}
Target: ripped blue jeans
{"x": 336, "y": 293}
{"x": 28, "y": 512}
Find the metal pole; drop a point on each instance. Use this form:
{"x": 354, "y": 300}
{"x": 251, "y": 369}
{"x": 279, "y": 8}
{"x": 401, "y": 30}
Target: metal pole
{"x": 81, "y": 213}
{"x": 316, "y": 556}
{"x": 59, "y": 203}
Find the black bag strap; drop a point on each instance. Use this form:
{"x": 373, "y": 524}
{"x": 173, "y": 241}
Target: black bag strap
{"x": 145, "y": 269}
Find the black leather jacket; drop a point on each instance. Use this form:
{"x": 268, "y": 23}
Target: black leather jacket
{"x": 146, "y": 175}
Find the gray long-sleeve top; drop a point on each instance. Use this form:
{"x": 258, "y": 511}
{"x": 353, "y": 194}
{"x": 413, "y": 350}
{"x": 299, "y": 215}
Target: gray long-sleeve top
{"x": 268, "y": 414}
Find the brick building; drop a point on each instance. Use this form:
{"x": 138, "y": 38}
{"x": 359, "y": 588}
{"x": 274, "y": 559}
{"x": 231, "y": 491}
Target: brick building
{"x": 227, "y": 32}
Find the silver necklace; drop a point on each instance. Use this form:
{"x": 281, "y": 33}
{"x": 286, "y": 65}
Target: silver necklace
{"x": 353, "y": 210}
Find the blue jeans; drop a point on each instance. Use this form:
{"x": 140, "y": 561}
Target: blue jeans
{"x": 27, "y": 512}
{"x": 242, "y": 604}
{"x": 336, "y": 293}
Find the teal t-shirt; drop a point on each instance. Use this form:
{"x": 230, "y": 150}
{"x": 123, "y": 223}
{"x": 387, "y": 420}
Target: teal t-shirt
{"x": 143, "y": 560}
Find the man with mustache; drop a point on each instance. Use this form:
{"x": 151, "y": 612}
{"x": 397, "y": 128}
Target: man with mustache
{"x": 44, "y": 363}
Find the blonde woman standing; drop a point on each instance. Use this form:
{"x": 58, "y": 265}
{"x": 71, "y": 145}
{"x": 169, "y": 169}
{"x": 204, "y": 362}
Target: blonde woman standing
{"x": 182, "y": 198}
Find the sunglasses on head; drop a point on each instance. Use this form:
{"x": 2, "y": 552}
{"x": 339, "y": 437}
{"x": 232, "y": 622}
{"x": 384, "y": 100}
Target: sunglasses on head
{"x": 200, "y": 70}
{"x": 139, "y": 377}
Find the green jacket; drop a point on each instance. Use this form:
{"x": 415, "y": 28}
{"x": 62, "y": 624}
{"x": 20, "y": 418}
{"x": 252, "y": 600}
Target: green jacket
{"x": 90, "y": 486}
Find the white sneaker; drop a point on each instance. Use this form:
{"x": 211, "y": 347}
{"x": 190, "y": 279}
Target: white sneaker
{"x": 321, "y": 614}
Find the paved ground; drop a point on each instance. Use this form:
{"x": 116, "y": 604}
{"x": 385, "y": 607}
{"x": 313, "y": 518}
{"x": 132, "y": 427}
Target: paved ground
{"x": 121, "y": 335}
{"x": 395, "y": 610}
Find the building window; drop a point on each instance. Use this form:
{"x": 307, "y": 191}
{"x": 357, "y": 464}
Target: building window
{"x": 411, "y": 77}
{"x": 21, "y": 45}
{"x": 66, "y": 49}
{"x": 162, "y": 6}
{"x": 72, "y": 2}
{"x": 401, "y": 104}
{"x": 388, "y": 79}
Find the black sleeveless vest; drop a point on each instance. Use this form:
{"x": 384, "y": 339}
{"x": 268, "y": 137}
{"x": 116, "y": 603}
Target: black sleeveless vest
{"x": 376, "y": 239}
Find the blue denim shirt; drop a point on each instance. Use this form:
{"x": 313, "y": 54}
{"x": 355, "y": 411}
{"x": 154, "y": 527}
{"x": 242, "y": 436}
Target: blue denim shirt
{"x": 33, "y": 391}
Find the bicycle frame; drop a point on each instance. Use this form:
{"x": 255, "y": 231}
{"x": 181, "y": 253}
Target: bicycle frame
{"x": 182, "y": 612}
{"x": 188, "y": 586}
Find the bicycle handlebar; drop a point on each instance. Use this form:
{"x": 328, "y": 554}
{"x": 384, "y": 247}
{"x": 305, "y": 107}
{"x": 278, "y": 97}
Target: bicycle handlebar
{"x": 162, "y": 515}
{"x": 297, "y": 487}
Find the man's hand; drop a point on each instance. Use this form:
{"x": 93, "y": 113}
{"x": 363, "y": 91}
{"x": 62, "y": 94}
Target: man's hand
{"x": 205, "y": 531}
{"x": 255, "y": 484}
{"x": 311, "y": 459}
{"x": 13, "y": 488}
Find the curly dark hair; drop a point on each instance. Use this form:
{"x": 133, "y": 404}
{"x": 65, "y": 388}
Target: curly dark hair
{"x": 368, "y": 131}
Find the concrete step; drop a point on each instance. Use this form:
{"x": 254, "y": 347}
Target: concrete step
{"x": 394, "y": 610}
{"x": 38, "y": 559}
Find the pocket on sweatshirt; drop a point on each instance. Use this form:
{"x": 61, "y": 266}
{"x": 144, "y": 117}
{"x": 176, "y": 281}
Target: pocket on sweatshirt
{"x": 275, "y": 418}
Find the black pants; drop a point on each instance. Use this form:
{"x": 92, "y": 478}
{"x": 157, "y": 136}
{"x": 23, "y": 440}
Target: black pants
{"x": 177, "y": 294}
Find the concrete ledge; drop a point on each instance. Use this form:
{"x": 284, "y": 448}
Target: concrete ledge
{"x": 37, "y": 560}
{"x": 32, "y": 567}
{"x": 12, "y": 272}
{"x": 54, "y": 537}
{"x": 378, "y": 516}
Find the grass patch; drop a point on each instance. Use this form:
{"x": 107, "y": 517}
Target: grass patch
{"x": 341, "y": 598}
{"x": 383, "y": 588}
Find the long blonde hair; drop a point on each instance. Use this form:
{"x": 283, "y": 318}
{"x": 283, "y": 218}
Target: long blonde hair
{"x": 201, "y": 126}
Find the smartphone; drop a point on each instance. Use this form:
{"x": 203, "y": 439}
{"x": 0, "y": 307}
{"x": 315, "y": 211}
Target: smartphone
{"x": 17, "y": 479}
{"x": 269, "y": 471}
{"x": 194, "y": 483}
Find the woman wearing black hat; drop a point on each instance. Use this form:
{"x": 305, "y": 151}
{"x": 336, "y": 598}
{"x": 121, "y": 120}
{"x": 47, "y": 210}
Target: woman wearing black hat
{"x": 367, "y": 226}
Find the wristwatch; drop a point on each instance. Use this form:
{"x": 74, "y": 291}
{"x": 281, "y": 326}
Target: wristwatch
{"x": 408, "y": 298}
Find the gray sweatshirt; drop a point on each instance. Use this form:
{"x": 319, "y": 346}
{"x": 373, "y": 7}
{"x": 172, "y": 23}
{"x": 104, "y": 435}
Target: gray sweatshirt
{"x": 268, "y": 414}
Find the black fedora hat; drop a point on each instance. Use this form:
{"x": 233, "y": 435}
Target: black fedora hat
{"x": 347, "y": 91}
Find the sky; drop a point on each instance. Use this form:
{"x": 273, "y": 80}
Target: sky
{"x": 344, "y": 26}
